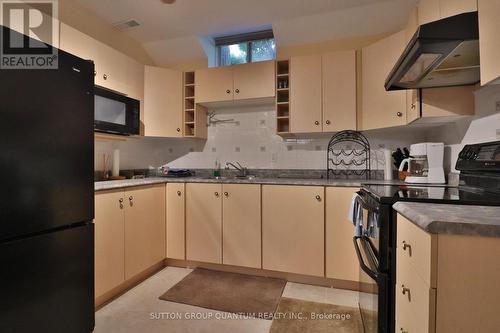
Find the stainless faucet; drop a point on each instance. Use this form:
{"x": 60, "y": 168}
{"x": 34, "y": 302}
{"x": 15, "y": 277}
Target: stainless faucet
{"x": 242, "y": 170}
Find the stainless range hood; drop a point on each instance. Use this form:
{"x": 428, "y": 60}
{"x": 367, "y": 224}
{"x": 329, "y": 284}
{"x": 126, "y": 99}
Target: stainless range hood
{"x": 443, "y": 53}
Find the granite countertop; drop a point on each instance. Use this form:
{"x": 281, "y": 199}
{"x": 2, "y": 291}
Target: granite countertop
{"x": 116, "y": 184}
{"x": 452, "y": 219}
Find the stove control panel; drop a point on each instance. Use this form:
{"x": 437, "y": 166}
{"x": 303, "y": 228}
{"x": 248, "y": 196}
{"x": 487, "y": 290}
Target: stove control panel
{"x": 480, "y": 157}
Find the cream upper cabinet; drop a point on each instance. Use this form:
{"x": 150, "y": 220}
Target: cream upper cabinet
{"x": 305, "y": 94}
{"x": 339, "y": 91}
{"x": 135, "y": 79}
{"x": 214, "y": 85}
{"x": 489, "y": 42}
{"x": 162, "y": 102}
{"x": 109, "y": 241}
{"x": 341, "y": 259}
{"x": 204, "y": 222}
{"x": 448, "y": 101}
{"x": 381, "y": 108}
{"x": 242, "y": 225}
{"x": 234, "y": 83}
{"x": 176, "y": 221}
{"x": 293, "y": 229}
{"x": 433, "y": 10}
{"x": 144, "y": 228}
{"x": 81, "y": 45}
{"x": 254, "y": 80}
{"x": 113, "y": 69}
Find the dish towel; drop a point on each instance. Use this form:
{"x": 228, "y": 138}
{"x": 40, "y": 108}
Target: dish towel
{"x": 373, "y": 224}
{"x": 355, "y": 215}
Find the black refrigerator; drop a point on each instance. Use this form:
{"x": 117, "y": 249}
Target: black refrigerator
{"x": 47, "y": 198}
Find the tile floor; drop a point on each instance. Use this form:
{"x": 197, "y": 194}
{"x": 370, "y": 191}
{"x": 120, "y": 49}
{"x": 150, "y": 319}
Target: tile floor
{"x": 140, "y": 311}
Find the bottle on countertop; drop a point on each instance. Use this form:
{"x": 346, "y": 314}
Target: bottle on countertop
{"x": 216, "y": 172}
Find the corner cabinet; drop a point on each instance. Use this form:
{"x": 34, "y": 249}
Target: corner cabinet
{"x": 163, "y": 102}
{"x": 433, "y": 10}
{"x": 293, "y": 229}
{"x": 381, "y": 108}
{"x": 489, "y": 43}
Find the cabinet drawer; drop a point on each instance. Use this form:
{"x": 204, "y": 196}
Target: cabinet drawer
{"x": 417, "y": 249}
{"x": 415, "y": 303}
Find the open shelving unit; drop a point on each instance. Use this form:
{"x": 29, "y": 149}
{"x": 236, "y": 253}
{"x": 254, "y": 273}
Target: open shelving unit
{"x": 195, "y": 116}
{"x": 283, "y": 97}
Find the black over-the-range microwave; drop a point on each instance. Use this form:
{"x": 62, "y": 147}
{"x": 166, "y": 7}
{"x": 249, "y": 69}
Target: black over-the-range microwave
{"x": 115, "y": 113}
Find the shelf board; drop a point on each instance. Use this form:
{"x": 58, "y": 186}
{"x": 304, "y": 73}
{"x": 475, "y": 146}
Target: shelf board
{"x": 282, "y": 89}
{"x": 189, "y": 97}
{"x": 282, "y": 103}
{"x": 189, "y": 122}
{"x": 282, "y": 75}
{"x": 283, "y": 117}
{"x": 189, "y": 110}
{"x": 189, "y": 85}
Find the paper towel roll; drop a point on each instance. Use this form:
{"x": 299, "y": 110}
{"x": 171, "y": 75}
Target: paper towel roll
{"x": 388, "y": 170}
{"x": 116, "y": 163}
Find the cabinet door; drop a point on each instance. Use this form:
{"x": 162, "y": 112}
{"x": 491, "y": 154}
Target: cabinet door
{"x": 176, "y": 223}
{"x": 428, "y": 11}
{"x": 135, "y": 79}
{"x": 339, "y": 91}
{"x": 293, "y": 223}
{"x": 144, "y": 228}
{"x": 341, "y": 258}
{"x": 109, "y": 241}
{"x": 79, "y": 44}
{"x": 449, "y": 8}
{"x": 381, "y": 108}
{"x": 214, "y": 85}
{"x": 204, "y": 222}
{"x": 489, "y": 43}
{"x": 242, "y": 225}
{"x": 254, "y": 80}
{"x": 113, "y": 72}
{"x": 305, "y": 94}
{"x": 162, "y": 102}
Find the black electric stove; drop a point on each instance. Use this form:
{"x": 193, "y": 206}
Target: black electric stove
{"x": 479, "y": 167}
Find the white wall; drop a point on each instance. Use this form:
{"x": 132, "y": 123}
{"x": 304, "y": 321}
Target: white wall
{"x": 249, "y": 139}
{"x": 484, "y": 127}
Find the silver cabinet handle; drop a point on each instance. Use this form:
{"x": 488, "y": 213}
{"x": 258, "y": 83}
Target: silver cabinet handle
{"x": 316, "y": 123}
{"x": 121, "y": 203}
{"x": 405, "y": 290}
{"x": 216, "y": 194}
{"x": 237, "y": 91}
{"x": 402, "y": 330}
{"x": 228, "y": 91}
{"x": 179, "y": 193}
{"x": 131, "y": 198}
{"x": 178, "y": 129}
{"x": 406, "y": 246}
{"x": 318, "y": 197}
{"x": 399, "y": 114}
{"x": 413, "y": 106}
{"x": 105, "y": 76}
{"x": 226, "y": 194}
{"x": 328, "y": 122}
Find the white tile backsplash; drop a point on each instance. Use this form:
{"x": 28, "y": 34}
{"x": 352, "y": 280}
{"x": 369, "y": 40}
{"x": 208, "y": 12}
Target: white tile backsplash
{"x": 251, "y": 129}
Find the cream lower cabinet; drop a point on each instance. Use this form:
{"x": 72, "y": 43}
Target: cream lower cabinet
{"x": 163, "y": 102}
{"x": 293, "y": 229}
{"x": 446, "y": 283}
{"x": 241, "y": 215}
{"x": 144, "y": 228}
{"x": 176, "y": 221}
{"x": 341, "y": 259}
{"x": 109, "y": 241}
{"x": 204, "y": 222}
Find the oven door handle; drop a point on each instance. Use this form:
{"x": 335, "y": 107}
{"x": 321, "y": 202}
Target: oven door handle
{"x": 371, "y": 273}
{"x": 362, "y": 202}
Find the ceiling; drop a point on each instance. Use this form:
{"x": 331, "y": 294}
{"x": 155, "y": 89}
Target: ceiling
{"x": 171, "y": 33}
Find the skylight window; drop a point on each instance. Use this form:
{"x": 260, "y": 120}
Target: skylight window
{"x": 245, "y": 48}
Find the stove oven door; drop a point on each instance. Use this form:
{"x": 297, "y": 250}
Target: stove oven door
{"x": 373, "y": 301}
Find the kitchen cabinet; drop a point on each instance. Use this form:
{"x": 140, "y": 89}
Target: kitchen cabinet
{"x": 339, "y": 91}
{"x": 381, "y": 108}
{"x": 176, "y": 221}
{"x": 341, "y": 259}
{"x": 254, "y": 80}
{"x": 144, "y": 228}
{"x": 293, "y": 223}
{"x": 235, "y": 83}
{"x": 444, "y": 282}
{"x": 163, "y": 98}
{"x": 433, "y": 10}
{"x": 305, "y": 94}
{"x": 113, "y": 69}
{"x": 204, "y": 222}
{"x": 242, "y": 225}
{"x": 489, "y": 43}
{"x": 109, "y": 241}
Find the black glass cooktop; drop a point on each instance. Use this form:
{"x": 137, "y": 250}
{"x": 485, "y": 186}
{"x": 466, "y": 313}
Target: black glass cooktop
{"x": 433, "y": 194}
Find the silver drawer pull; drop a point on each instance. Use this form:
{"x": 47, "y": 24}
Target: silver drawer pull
{"x": 406, "y": 246}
